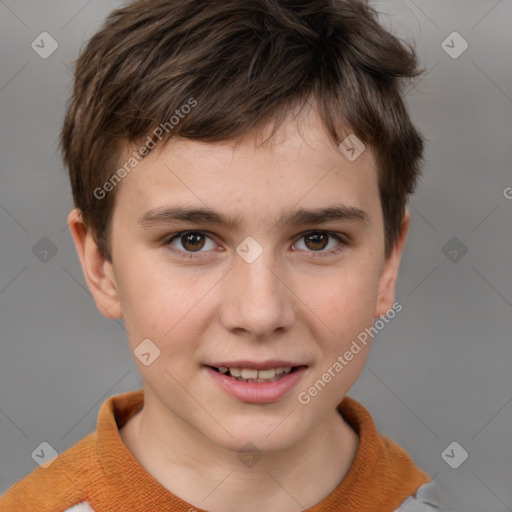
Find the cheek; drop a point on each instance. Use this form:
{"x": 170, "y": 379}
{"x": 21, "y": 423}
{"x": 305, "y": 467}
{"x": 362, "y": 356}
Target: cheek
{"x": 162, "y": 305}
{"x": 343, "y": 301}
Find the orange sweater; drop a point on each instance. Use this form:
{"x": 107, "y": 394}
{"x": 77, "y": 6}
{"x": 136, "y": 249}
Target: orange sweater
{"x": 102, "y": 475}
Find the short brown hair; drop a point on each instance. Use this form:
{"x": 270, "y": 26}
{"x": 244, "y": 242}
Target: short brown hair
{"x": 246, "y": 63}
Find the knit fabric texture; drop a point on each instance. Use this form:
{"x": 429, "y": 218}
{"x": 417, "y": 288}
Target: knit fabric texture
{"x": 100, "y": 474}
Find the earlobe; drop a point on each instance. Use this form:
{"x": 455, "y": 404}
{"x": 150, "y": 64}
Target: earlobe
{"x": 98, "y": 272}
{"x": 389, "y": 275}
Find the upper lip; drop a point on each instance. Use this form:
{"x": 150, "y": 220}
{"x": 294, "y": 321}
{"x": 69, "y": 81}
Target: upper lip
{"x": 263, "y": 365}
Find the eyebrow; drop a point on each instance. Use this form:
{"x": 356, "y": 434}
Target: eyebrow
{"x": 301, "y": 216}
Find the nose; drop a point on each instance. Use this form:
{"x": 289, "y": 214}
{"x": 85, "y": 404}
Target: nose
{"x": 258, "y": 299}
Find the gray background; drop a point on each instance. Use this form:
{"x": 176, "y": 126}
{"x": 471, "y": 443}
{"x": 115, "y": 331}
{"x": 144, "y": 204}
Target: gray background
{"x": 439, "y": 372}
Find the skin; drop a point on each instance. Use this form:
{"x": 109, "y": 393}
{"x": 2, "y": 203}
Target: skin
{"x": 290, "y": 303}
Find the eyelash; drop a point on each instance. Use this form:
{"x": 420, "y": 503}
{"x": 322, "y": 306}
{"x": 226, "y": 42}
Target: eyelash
{"x": 343, "y": 244}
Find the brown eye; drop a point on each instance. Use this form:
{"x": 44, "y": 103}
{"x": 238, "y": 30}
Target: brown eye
{"x": 316, "y": 241}
{"x": 322, "y": 243}
{"x": 188, "y": 243}
{"x": 192, "y": 241}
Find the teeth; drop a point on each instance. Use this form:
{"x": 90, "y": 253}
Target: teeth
{"x": 251, "y": 373}
{"x": 246, "y": 373}
{"x": 267, "y": 374}
{"x": 235, "y": 372}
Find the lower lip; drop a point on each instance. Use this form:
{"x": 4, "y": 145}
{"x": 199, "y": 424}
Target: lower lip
{"x": 258, "y": 392}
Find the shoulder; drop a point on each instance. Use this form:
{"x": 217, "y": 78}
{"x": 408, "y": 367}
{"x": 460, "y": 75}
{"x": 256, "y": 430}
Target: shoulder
{"x": 430, "y": 497}
{"x": 61, "y": 486}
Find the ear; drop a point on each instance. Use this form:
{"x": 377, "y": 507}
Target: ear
{"x": 389, "y": 274}
{"x": 98, "y": 271}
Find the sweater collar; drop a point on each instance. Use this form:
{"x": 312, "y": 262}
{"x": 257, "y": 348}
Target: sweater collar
{"x": 381, "y": 476}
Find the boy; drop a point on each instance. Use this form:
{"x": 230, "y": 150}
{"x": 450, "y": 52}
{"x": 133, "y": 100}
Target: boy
{"x": 240, "y": 171}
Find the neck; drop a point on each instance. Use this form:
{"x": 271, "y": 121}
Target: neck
{"x": 204, "y": 474}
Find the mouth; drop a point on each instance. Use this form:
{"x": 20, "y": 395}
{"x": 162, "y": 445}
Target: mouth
{"x": 244, "y": 374}
{"x": 257, "y": 383}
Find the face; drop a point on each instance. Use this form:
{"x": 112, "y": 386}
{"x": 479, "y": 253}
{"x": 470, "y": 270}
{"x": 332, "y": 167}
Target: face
{"x": 282, "y": 284}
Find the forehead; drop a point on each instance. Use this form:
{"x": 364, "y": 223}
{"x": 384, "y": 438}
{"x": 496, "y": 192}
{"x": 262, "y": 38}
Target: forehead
{"x": 298, "y": 166}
